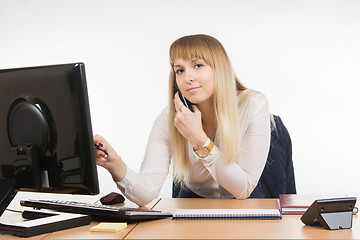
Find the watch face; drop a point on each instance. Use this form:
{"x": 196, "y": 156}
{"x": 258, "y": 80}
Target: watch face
{"x": 202, "y": 152}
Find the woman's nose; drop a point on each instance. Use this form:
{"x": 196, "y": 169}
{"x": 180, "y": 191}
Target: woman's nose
{"x": 189, "y": 76}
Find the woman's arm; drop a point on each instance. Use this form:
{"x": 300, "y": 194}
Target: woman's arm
{"x": 144, "y": 186}
{"x": 241, "y": 178}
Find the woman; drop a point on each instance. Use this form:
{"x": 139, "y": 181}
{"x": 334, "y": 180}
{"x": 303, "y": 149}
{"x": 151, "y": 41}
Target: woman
{"x": 219, "y": 149}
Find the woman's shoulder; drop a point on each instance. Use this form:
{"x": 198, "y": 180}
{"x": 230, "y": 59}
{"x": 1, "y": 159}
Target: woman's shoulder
{"x": 163, "y": 115}
{"x": 160, "y": 125}
{"x": 252, "y": 104}
{"x": 251, "y": 96}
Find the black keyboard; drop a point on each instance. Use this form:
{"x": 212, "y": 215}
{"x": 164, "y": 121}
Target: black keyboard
{"x": 96, "y": 211}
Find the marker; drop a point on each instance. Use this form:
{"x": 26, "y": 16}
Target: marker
{"x": 104, "y": 151}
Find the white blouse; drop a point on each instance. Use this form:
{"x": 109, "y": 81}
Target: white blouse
{"x": 210, "y": 177}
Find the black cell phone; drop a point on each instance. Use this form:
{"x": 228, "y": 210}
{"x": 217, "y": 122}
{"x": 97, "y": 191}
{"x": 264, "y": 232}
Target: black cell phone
{"x": 186, "y": 102}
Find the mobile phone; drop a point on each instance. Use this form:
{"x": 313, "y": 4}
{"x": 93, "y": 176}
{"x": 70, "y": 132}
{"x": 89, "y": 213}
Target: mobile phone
{"x": 186, "y": 102}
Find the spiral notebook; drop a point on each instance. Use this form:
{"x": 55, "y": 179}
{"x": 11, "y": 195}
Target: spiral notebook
{"x": 223, "y": 214}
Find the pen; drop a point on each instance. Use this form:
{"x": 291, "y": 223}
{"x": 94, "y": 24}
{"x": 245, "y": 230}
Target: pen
{"x": 104, "y": 151}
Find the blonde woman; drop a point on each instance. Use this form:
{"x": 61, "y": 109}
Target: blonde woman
{"x": 217, "y": 133}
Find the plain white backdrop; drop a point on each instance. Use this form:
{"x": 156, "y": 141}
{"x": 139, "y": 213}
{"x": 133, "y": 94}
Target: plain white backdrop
{"x": 303, "y": 55}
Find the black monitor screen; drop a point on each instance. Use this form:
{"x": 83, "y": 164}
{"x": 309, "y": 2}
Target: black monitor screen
{"x": 46, "y": 140}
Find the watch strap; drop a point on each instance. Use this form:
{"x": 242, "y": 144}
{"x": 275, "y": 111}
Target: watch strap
{"x": 208, "y": 141}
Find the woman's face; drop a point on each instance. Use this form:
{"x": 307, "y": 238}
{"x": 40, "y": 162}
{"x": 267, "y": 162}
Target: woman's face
{"x": 195, "y": 79}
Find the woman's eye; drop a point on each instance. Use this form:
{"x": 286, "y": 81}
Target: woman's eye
{"x": 198, "y": 65}
{"x": 178, "y": 71}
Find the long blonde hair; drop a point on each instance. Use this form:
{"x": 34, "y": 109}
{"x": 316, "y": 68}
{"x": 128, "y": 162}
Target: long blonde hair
{"x": 227, "y": 86}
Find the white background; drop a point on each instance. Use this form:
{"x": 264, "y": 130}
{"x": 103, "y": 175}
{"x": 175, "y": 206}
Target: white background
{"x": 303, "y": 55}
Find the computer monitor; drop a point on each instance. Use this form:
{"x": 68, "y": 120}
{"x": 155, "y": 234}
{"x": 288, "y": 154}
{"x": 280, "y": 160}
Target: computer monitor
{"x": 46, "y": 140}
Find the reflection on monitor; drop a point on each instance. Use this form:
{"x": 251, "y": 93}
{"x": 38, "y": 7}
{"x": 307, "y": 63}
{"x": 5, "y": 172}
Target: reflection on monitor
{"x": 46, "y": 140}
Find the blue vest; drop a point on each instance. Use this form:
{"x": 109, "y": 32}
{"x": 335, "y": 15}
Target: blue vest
{"x": 278, "y": 174}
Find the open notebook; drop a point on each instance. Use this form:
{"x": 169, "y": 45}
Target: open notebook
{"x": 221, "y": 214}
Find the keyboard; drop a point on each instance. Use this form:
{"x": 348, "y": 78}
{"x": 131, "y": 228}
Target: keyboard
{"x": 96, "y": 211}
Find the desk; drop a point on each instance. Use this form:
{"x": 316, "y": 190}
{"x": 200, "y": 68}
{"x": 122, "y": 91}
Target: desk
{"x": 290, "y": 227}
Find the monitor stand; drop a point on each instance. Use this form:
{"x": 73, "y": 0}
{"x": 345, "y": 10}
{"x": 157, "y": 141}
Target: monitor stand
{"x": 40, "y": 221}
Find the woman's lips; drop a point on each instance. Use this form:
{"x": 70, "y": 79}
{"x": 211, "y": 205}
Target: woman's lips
{"x": 193, "y": 90}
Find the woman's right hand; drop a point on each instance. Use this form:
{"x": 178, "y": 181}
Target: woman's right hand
{"x": 112, "y": 162}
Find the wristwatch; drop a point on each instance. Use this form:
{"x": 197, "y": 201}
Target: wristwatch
{"x": 204, "y": 151}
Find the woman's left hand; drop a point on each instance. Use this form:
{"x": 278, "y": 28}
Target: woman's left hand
{"x": 189, "y": 123}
